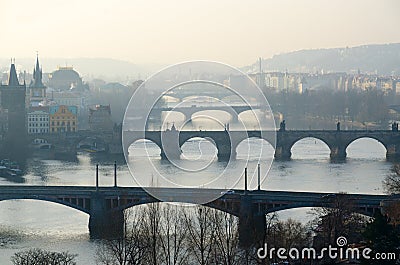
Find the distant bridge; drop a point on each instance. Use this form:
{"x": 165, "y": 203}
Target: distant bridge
{"x": 69, "y": 142}
{"x": 105, "y": 205}
{"x": 188, "y": 111}
{"x": 226, "y": 142}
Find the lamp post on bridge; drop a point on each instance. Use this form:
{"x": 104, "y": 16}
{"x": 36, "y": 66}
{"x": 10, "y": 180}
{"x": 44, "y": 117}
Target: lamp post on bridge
{"x": 115, "y": 174}
{"x": 245, "y": 180}
{"x": 259, "y": 177}
{"x": 97, "y": 177}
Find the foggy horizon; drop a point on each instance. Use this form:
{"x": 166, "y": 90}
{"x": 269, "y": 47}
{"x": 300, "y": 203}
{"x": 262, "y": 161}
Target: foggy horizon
{"x": 164, "y": 33}
{"x": 68, "y": 60}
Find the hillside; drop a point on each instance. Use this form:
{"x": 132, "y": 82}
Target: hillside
{"x": 378, "y": 58}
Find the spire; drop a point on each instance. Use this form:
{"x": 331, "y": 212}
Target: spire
{"x": 37, "y": 61}
{"x": 37, "y": 74}
{"x": 13, "y": 79}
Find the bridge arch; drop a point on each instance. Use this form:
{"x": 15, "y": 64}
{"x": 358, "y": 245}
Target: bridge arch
{"x": 297, "y": 139}
{"x": 225, "y": 116}
{"x": 223, "y": 207}
{"x": 208, "y": 141}
{"x": 143, "y": 142}
{"x": 367, "y": 211}
{"x": 181, "y": 116}
{"x": 315, "y": 146}
{"x": 377, "y": 140}
{"x": 267, "y": 148}
{"x": 170, "y": 98}
{"x": 83, "y": 206}
{"x": 254, "y": 111}
{"x": 197, "y": 97}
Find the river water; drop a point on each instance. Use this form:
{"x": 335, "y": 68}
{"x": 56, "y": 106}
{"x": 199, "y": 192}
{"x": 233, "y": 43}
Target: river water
{"x": 28, "y": 223}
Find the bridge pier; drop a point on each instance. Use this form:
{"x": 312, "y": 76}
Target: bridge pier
{"x": 234, "y": 117}
{"x": 103, "y": 222}
{"x": 338, "y": 153}
{"x": 251, "y": 223}
{"x": 282, "y": 153}
{"x": 225, "y": 153}
{"x": 169, "y": 144}
{"x": 393, "y": 152}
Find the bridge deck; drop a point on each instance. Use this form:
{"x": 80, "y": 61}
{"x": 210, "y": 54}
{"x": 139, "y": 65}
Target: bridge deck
{"x": 176, "y": 192}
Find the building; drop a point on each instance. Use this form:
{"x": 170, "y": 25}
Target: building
{"x": 12, "y": 98}
{"x": 38, "y": 121}
{"x": 100, "y": 118}
{"x": 65, "y": 78}
{"x": 276, "y": 80}
{"x": 68, "y": 98}
{"x": 3, "y": 123}
{"x": 36, "y": 91}
{"x": 63, "y": 119}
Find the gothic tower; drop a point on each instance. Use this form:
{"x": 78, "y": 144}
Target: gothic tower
{"x": 37, "y": 91}
{"x": 12, "y": 98}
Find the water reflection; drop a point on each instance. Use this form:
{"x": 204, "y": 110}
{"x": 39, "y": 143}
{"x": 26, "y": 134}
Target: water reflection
{"x": 28, "y": 223}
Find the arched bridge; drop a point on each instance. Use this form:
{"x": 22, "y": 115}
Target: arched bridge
{"x": 188, "y": 111}
{"x": 71, "y": 141}
{"x": 105, "y": 205}
{"x": 226, "y": 141}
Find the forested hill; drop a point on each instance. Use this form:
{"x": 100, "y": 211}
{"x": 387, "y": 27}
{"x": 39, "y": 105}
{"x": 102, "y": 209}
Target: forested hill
{"x": 384, "y": 59}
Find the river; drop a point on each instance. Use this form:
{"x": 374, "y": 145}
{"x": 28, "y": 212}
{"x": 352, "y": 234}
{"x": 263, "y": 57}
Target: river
{"x": 27, "y": 223}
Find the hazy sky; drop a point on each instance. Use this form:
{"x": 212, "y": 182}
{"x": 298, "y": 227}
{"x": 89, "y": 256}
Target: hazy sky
{"x": 148, "y": 31}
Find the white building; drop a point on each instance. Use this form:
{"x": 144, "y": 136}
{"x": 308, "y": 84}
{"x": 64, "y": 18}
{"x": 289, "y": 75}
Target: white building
{"x": 38, "y": 122}
{"x": 68, "y": 99}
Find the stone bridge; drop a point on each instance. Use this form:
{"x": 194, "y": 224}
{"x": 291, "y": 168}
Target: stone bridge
{"x": 105, "y": 205}
{"x": 69, "y": 142}
{"x": 188, "y": 111}
{"x": 226, "y": 142}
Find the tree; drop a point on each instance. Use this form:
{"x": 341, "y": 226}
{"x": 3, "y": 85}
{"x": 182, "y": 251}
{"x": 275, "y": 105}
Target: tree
{"x": 130, "y": 249}
{"x": 173, "y": 237}
{"x": 38, "y": 256}
{"x": 391, "y": 184}
{"x": 291, "y": 234}
{"x": 338, "y": 218}
{"x": 381, "y": 237}
{"x": 151, "y": 226}
{"x": 287, "y": 234}
{"x": 201, "y": 234}
{"x": 226, "y": 238}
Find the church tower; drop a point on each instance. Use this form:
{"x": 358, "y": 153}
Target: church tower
{"x": 37, "y": 91}
{"x": 12, "y": 98}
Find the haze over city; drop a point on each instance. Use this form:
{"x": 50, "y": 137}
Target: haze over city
{"x": 113, "y": 113}
{"x": 167, "y": 32}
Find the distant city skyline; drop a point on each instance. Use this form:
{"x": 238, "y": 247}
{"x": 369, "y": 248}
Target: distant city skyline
{"x": 167, "y": 32}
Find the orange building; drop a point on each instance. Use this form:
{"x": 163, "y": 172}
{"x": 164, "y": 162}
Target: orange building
{"x": 63, "y": 119}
